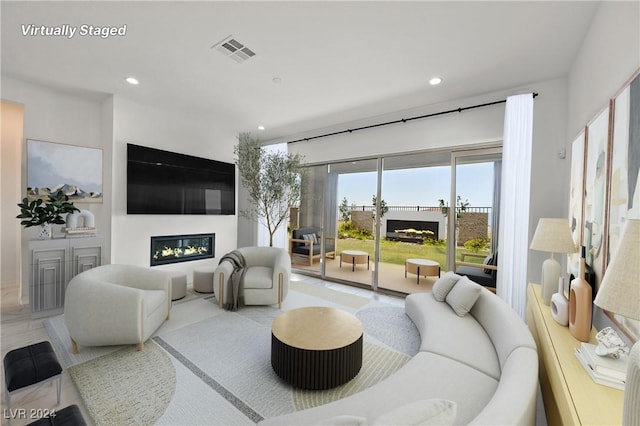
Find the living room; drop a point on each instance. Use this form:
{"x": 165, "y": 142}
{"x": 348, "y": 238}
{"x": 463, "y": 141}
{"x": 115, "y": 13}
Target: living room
{"x": 598, "y": 53}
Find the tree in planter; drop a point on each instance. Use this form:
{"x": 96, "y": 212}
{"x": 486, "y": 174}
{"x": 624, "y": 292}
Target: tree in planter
{"x": 461, "y": 208}
{"x": 272, "y": 179}
{"x": 383, "y": 206}
{"x": 345, "y": 210}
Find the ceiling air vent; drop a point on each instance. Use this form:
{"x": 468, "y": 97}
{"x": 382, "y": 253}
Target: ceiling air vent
{"x": 234, "y": 49}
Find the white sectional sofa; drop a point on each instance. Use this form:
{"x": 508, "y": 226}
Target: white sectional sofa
{"x": 485, "y": 362}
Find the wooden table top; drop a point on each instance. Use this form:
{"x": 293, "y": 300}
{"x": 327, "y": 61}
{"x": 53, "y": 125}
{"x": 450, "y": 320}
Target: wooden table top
{"x": 317, "y": 328}
{"x": 422, "y": 262}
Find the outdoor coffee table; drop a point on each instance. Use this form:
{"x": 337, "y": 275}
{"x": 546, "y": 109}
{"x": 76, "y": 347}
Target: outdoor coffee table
{"x": 423, "y": 267}
{"x": 355, "y": 257}
{"x": 316, "y": 347}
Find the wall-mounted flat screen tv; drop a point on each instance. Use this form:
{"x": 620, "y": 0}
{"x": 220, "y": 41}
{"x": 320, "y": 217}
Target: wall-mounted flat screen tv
{"x": 163, "y": 182}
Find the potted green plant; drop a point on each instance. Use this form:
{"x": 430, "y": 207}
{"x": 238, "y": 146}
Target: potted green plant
{"x": 45, "y": 213}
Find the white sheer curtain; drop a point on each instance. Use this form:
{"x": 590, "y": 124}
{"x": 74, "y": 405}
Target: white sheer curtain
{"x": 514, "y": 205}
{"x": 280, "y": 236}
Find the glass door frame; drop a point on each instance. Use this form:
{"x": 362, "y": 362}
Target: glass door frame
{"x": 457, "y": 158}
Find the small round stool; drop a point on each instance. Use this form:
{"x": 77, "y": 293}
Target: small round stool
{"x": 203, "y": 279}
{"x": 178, "y": 285}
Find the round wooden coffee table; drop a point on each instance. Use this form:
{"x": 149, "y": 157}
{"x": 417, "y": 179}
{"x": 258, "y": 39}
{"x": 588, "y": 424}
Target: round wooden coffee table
{"x": 354, "y": 257}
{"x": 316, "y": 347}
{"x": 423, "y": 267}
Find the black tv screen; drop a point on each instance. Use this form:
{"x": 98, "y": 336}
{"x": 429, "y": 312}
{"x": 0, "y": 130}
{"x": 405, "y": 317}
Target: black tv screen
{"x": 163, "y": 182}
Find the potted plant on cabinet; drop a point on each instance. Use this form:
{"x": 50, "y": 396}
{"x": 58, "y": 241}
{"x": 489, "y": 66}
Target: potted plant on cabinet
{"x": 45, "y": 213}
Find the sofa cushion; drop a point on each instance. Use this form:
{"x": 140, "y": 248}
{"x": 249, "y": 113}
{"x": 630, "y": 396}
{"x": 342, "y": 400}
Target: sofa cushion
{"x": 258, "y": 277}
{"x": 425, "y": 376}
{"x": 444, "y": 284}
{"x": 444, "y": 333}
{"x": 423, "y": 412}
{"x": 152, "y": 300}
{"x": 463, "y": 295}
{"x": 507, "y": 331}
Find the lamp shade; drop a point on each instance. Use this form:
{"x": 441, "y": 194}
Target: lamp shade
{"x": 553, "y": 235}
{"x": 619, "y": 290}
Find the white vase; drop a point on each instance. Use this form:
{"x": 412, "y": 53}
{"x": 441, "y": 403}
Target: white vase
{"x": 45, "y": 231}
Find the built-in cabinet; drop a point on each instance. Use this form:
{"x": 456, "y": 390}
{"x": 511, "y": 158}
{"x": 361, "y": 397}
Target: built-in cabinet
{"x": 49, "y": 265}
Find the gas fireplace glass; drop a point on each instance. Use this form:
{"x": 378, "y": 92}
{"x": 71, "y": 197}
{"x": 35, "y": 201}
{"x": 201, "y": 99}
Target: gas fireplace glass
{"x": 181, "y": 248}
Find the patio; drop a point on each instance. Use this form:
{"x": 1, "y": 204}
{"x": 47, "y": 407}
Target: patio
{"x": 391, "y": 276}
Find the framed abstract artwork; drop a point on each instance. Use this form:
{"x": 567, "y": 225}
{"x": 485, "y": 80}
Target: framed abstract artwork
{"x": 576, "y": 197}
{"x": 594, "y": 236}
{"x": 75, "y": 170}
{"x": 624, "y": 188}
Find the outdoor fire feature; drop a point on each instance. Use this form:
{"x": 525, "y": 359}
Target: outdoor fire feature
{"x": 181, "y": 248}
{"x": 411, "y": 231}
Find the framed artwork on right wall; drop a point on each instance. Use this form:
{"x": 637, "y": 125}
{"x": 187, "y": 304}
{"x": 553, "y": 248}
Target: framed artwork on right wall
{"x": 624, "y": 189}
{"x": 594, "y": 234}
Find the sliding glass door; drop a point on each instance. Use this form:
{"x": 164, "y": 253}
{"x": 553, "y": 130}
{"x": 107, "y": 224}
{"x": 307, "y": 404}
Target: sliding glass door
{"x": 351, "y": 189}
{"x": 475, "y": 220}
{"x": 396, "y": 223}
{"x": 413, "y": 236}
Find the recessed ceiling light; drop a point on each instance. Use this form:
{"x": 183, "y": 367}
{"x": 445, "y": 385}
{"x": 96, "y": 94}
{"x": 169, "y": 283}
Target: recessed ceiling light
{"x": 435, "y": 81}
{"x": 276, "y": 80}
{"x": 260, "y": 127}
{"x": 132, "y": 80}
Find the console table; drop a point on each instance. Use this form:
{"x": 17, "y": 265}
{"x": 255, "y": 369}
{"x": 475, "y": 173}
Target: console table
{"x": 49, "y": 265}
{"x": 570, "y": 396}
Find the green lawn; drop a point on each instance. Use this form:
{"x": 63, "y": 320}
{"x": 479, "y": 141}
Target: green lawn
{"x": 397, "y": 252}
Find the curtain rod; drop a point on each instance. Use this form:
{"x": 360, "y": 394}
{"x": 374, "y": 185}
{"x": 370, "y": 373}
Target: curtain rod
{"x": 402, "y": 120}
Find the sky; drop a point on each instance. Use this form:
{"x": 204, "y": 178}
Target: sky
{"x": 420, "y": 186}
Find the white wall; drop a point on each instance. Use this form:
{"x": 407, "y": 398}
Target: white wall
{"x": 56, "y": 116}
{"x": 609, "y": 55}
{"x": 467, "y": 129}
{"x": 170, "y": 130}
{"x": 10, "y": 190}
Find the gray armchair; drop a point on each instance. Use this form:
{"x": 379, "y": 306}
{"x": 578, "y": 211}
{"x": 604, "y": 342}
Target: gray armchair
{"x": 266, "y": 279}
{"x": 306, "y": 242}
{"x": 482, "y": 273}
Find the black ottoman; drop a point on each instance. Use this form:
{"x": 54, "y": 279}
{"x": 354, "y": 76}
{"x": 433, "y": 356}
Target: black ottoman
{"x": 31, "y": 365}
{"x": 69, "y": 416}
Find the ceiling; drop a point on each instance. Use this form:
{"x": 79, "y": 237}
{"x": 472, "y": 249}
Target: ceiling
{"x": 335, "y": 61}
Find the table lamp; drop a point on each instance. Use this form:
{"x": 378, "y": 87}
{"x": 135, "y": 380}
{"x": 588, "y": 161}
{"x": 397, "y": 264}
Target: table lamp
{"x": 552, "y": 235}
{"x": 619, "y": 293}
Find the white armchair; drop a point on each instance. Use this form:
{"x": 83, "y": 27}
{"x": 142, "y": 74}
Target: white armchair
{"x": 116, "y": 305}
{"x": 266, "y": 280}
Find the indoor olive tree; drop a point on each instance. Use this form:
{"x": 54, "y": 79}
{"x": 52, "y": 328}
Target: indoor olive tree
{"x": 272, "y": 179}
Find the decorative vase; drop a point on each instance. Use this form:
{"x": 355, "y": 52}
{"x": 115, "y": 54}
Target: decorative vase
{"x": 45, "y": 231}
{"x": 560, "y": 305}
{"x": 580, "y": 304}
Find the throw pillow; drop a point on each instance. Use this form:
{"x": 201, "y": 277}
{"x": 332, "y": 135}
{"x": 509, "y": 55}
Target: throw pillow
{"x": 463, "y": 296}
{"x": 310, "y": 237}
{"x": 488, "y": 261}
{"x": 443, "y": 285}
{"x": 423, "y": 412}
{"x": 344, "y": 420}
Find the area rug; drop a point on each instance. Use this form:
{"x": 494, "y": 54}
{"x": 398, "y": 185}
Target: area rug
{"x": 216, "y": 368}
{"x": 126, "y": 387}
